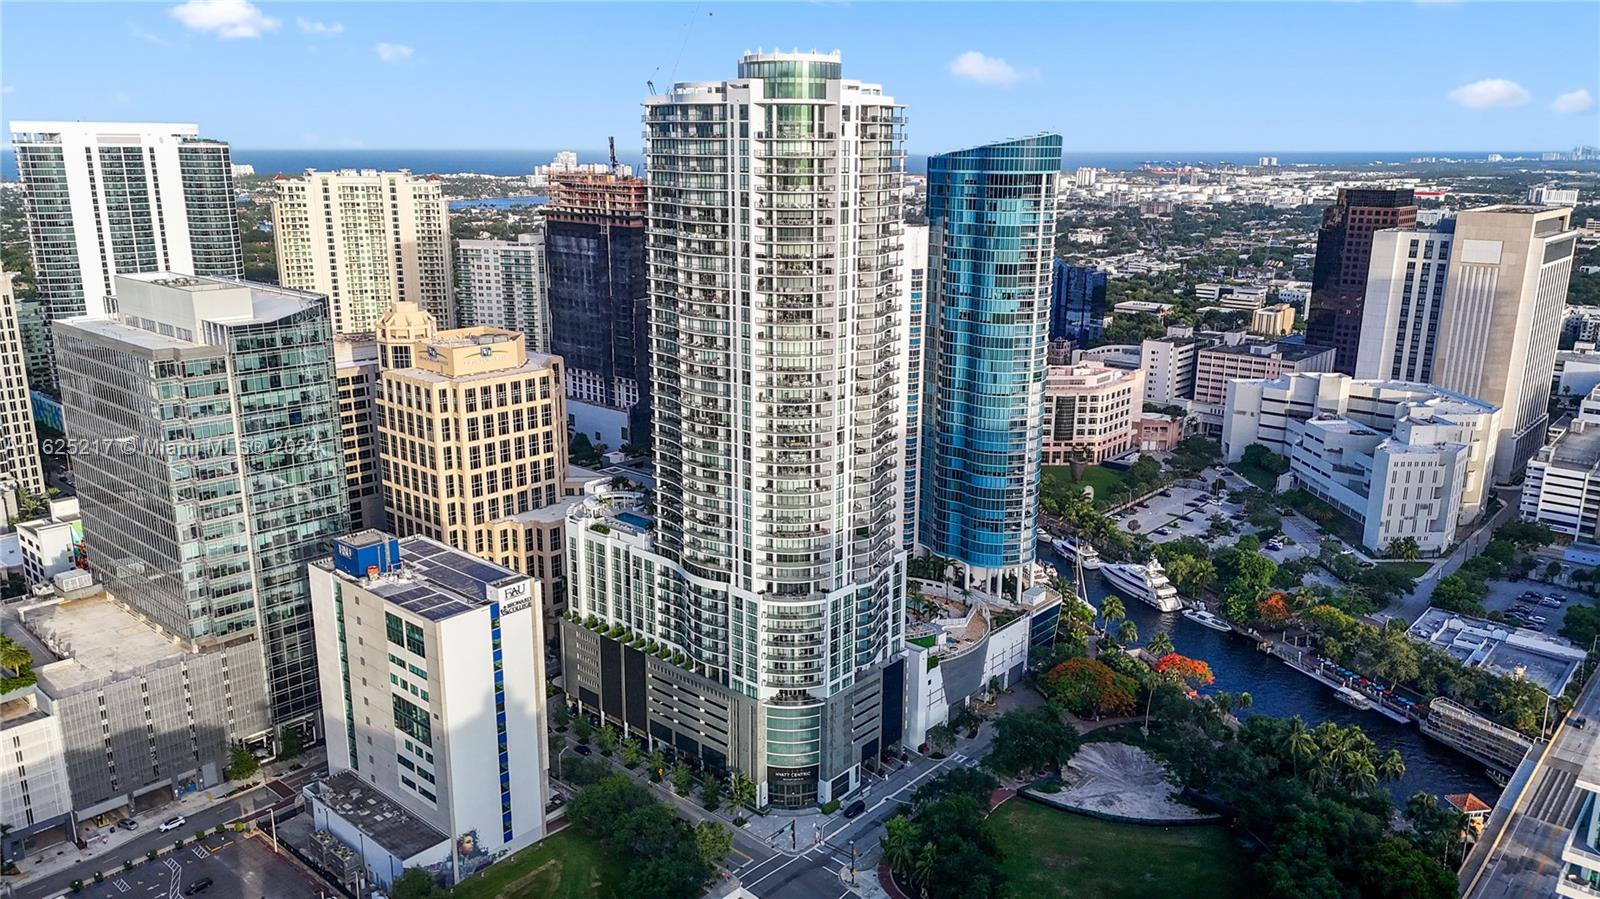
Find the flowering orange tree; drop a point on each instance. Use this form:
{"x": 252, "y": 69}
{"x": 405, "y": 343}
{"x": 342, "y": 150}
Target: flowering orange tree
{"x": 1181, "y": 669}
{"x": 1087, "y": 687}
{"x": 1273, "y": 610}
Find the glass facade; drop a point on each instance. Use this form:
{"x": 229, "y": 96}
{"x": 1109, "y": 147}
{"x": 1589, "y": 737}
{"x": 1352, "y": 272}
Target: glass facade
{"x": 214, "y": 474}
{"x": 991, "y": 222}
{"x": 1077, "y": 301}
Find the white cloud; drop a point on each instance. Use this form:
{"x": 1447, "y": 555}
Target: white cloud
{"x": 228, "y": 18}
{"x": 1490, "y": 93}
{"x": 1574, "y": 101}
{"x": 393, "y": 52}
{"x": 319, "y": 28}
{"x": 983, "y": 69}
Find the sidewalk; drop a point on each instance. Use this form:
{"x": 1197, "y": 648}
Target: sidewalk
{"x": 105, "y": 841}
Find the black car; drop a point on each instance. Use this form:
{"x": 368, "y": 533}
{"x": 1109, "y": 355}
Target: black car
{"x": 199, "y": 886}
{"x": 855, "y": 808}
{"x": 582, "y": 749}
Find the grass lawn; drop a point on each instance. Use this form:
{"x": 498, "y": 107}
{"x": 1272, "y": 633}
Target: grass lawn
{"x": 1411, "y": 570}
{"x": 1058, "y": 479}
{"x": 568, "y": 865}
{"x": 1266, "y": 480}
{"x": 1052, "y": 853}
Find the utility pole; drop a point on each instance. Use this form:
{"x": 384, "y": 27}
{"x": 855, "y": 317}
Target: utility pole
{"x": 852, "y": 862}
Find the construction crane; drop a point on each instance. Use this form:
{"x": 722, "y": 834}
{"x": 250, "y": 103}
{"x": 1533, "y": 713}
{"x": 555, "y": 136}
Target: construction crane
{"x": 612, "y": 143}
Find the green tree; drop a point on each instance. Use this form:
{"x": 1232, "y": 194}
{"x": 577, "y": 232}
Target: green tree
{"x": 1127, "y": 633}
{"x": 631, "y": 753}
{"x": 974, "y": 783}
{"x": 657, "y": 762}
{"x": 1160, "y": 644}
{"x": 14, "y": 655}
{"x": 682, "y": 778}
{"x": 1405, "y": 549}
{"x": 560, "y": 718}
{"x": 941, "y": 739}
{"x": 415, "y": 883}
{"x": 555, "y": 744}
{"x": 713, "y": 842}
{"x": 606, "y": 739}
{"x": 901, "y": 841}
{"x": 583, "y": 730}
{"x": 1395, "y": 869}
{"x": 1459, "y": 592}
{"x": 711, "y": 792}
{"x": 741, "y": 792}
{"x": 290, "y": 743}
{"x": 1031, "y": 740}
{"x": 242, "y": 764}
{"x": 1112, "y": 610}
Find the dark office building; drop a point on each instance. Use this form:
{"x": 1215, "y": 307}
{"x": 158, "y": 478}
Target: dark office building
{"x": 1339, "y": 275}
{"x": 1077, "y": 301}
{"x": 594, "y": 259}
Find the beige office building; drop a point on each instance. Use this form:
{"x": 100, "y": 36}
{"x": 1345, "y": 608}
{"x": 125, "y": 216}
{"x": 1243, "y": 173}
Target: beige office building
{"x": 473, "y": 428}
{"x": 1502, "y": 315}
{"x": 1273, "y": 321}
{"x": 1089, "y": 411}
{"x": 355, "y": 359}
{"x": 19, "y": 443}
{"x": 366, "y": 239}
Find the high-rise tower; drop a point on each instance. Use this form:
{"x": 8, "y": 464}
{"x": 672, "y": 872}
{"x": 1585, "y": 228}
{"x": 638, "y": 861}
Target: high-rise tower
{"x": 110, "y": 198}
{"x": 215, "y": 471}
{"x": 991, "y": 227}
{"x": 773, "y": 573}
{"x": 1339, "y": 274}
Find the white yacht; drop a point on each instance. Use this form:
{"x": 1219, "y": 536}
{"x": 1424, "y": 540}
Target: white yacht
{"x": 1147, "y": 583}
{"x": 1072, "y": 549}
{"x": 1207, "y": 619}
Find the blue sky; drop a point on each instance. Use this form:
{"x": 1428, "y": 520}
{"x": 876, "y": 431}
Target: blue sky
{"x": 1115, "y": 77}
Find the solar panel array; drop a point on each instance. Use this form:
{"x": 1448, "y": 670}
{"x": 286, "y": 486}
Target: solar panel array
{"x": 454, "y": 582}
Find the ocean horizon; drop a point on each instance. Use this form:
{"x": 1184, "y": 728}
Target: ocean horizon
{"x": 521, "y": 162}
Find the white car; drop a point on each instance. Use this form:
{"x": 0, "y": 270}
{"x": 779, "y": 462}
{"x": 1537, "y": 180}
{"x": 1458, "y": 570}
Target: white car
{"x": 173, "y": 823}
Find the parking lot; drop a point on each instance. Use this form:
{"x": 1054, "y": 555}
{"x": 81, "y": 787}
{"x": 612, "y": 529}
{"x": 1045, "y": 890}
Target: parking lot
{"x": 1181, "y": 511}
{"x": 238, "y": 868}
{"x": 1504, "y": 595}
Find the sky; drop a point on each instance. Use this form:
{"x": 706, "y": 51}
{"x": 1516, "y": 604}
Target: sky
{"x": 1235, "y": 77}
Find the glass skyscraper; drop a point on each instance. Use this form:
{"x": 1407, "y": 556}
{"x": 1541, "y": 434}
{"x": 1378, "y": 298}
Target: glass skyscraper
{"x": 1077, "y": 301}
{"x": 213, "y": 470}
{"x": 991, "y": 228}
{"x": 162, "y": 200}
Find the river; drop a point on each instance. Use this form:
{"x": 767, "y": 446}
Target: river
{"x": 1278, "y": 690}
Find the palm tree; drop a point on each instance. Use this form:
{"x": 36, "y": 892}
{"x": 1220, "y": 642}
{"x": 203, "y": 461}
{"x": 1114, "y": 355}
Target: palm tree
{"x": 631, "y": 752}
{"x": 1300, "y": 743}
{"x": 14, "y": 655}
{"x": 1392, "y": 766}
{"x": 900, "y": 843}
{"x": 923, "y": 868}
{"x": 742, "y": 792}
{"x": 1112, "y": 609}
{"x": 1404, "y": 548}
{"x": 1160, "y": 644}
{"x": 1361, "y": 773}
{"x": 1127, "y": 632}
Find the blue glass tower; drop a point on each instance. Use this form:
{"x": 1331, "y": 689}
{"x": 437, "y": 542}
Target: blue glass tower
{"x": 991, "y": 225}
{"x": 1077, "y": 301}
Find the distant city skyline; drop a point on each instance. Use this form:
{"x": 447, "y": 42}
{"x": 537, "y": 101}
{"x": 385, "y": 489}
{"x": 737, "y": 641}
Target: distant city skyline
{"x": 1152, "y": 78}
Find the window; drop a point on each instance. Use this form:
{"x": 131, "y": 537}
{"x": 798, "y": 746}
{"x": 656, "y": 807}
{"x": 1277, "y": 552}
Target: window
{"x": 412, "y": 720}
{"x": 414, "y": 639}
{"x": 392, "y": 625}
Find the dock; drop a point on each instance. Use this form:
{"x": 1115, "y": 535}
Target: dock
{"x": 1294, "y": 657}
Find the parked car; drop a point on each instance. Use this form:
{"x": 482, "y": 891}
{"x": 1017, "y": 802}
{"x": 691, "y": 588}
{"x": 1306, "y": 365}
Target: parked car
{"x": 1538, "y": 619}
{"x": 1580, "y": 722}
{"x": 1274, "y": 546}
{"x": 198, "y": 886}
{"x": 855, "y": 808}
{"x": 1162, "y": 532}
{"x": 173, "y": 823}
{"x": 128, "y": 824}
{"x": 582, "y": 749}
{"x": 1549, "y": 603}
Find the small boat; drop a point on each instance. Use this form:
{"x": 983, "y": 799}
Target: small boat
{"x": 1207, "y": 619}
{"x": 1147, "y": 583}
{"x": 1074, "y": 550}
{"x": 1353, "y": 698}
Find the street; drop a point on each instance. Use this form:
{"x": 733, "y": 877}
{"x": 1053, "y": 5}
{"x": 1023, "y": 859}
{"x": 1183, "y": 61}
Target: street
{"x": 275, "y": 794}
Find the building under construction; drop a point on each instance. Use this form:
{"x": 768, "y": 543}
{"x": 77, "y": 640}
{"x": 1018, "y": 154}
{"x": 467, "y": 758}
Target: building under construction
{"x": 594, "y": 252}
